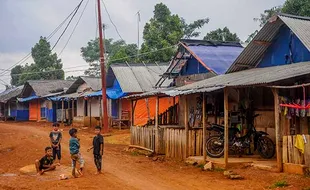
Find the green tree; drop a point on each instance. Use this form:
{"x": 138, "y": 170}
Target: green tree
{"x": 297, "y": 7}
{"x": 46, "y": 65}
{"x": 115, "y": 51}
{"x": 165, "y": 30}
{"x": 222, "y": 35}
{"x": 293, "y": 7}
{"x": 72, "y": 77}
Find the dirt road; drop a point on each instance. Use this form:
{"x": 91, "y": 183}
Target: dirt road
{"x": 22, "y": 143}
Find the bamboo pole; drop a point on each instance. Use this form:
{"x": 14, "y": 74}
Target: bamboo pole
{"x": 204, "y": 130}
{"x": 226, "y": 109}
{"x": 277, "y": 129}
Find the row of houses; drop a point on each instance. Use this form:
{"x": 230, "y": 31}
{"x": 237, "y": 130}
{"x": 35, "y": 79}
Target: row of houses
{"x": 79, "y": 102}
{"x": 168, "y": 106}
{"x": 270, "y": 76}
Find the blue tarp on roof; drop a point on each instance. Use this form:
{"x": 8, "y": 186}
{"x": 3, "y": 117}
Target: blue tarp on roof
{"x": 218, "y": 58}
{"x": 114, "y": 92}
{"x": 28, "y": 98}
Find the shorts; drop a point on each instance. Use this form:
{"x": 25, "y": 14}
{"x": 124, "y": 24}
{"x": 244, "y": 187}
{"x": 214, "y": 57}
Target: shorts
{"x": 57, "y": 152}
{"x": 77, "y": 158}
{"x": 42, "y": 167}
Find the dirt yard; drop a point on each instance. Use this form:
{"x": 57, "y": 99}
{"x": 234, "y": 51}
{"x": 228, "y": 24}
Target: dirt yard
{"x": 22, "y": 143}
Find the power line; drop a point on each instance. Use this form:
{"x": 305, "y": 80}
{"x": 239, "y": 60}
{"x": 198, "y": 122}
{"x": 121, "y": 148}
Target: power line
{"x": 77, "y": 23}
{"x": 105, "y": 7}
{"x": 48, "y": 38}
{"x": 63, "y": 32}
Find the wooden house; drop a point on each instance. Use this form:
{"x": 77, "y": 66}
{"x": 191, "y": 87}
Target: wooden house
{"x": 37, "y": 93}
{"x": 10, "y": 108}
{"x": 271, "y": 75}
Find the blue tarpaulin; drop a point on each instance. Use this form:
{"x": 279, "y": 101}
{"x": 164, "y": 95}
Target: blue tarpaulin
{"x": 114, "y": 92}
{"x": 218, "y": 58}
{"x": 28, "y": 98}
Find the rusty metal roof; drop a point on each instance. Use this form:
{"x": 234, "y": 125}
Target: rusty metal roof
{"x": 254, "y": 51}
{"x": 10, "y": 93}
{"x": 252, "y": 77}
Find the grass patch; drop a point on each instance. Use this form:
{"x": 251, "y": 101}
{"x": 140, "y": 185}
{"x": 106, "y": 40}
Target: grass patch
{"x": 201, "y": 166}
{"x": 134, "y": 153}
{"x": 280, "y": 184}
{"x": 219, "y": 169}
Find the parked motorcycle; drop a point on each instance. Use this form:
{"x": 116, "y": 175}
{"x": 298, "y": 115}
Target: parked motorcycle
{"x": 263, "y": 144}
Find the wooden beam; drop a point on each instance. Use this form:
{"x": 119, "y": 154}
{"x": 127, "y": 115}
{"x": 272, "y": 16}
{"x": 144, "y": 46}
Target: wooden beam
{"x": 226, "y": 139}
{"x": 263, "y": 43}
{"x": 186, "y": 126}
{"x": 156, "y": 125}
{"x": 204, "y": 128}
{"x": 277, "y": 129}
{"x": 62, "y": 112}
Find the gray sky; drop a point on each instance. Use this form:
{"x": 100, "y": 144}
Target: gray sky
{"x": 24, "y": 21}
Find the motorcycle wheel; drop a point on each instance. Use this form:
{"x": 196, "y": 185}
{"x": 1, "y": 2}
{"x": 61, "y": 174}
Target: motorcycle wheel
{"x": 265, "y": 147}
{"x": 214, "y": 150}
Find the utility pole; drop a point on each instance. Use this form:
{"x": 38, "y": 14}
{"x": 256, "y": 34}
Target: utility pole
{"x": 103, "y": 74}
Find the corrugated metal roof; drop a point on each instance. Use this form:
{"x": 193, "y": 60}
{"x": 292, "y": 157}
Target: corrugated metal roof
{"x": 251, "y": 77}
{"x": 254, "y": 51}
{"x": 10, "y": 93}
{"x": 138, "y": 77}
{"x": 45, "y": 87}
{"x": 93, "y": 82}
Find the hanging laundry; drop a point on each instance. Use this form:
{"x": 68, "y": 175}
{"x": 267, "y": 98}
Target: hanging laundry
{"x": 300, "y": 143}
{"x": 308, "y": 110}
{"x": 297, "y": 111}
{"x": 303, "y": 111}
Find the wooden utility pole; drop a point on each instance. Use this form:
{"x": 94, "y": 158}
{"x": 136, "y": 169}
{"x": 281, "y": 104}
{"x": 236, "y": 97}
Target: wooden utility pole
{"x": 103, "y": 74}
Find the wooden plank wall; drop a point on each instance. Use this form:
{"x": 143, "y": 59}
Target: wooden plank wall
{"x": 292, "y": 154}
{"x": 175, "y": 143}
{"x": 143, "y": 136}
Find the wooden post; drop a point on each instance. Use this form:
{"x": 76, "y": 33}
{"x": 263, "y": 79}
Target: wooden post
{"x": 148, "y": 108}
{"x": 133, "y": 106}
{"x": 277, "y": 129}
{"x": 186, "y": 127}
{"x": 100, "y": 111}
{"x": 226, "y": 139}
{"x": 89, "y": 111}
{"x": 62, "y": 112}
{"x": 72, "y": 111}
{"x": 204, "y": 128}
{"x": 156, "y": 125}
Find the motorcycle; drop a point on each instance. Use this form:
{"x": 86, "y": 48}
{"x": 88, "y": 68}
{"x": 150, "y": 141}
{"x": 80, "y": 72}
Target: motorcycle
{"x": 263, "y": 144}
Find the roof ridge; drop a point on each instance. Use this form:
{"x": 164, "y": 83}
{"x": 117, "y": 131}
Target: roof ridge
{"x": 294, "y": 16}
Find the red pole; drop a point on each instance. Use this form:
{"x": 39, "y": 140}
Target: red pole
{"x": 103, "y": 74}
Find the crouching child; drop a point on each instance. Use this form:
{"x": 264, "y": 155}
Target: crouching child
{"x": 74, "y": 146}
{"x": 97, "y": 149}
{"x": 46, "y": 162}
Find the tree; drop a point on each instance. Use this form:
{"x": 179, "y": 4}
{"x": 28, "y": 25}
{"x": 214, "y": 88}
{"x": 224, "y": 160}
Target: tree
{"x": 72, "y": 77}
{"x": 297, "y": 7}
{"x": 46, "y": 65}
{"x": 293, "y": 7}
{"x": 165, "y": 30}
{"x": 222, "y": 35}
{"x": 116, "y": 51}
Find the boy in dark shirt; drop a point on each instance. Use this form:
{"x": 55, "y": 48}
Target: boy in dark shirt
{"x": 46, "y": 162}
{"x": 55, "y": 137}
{"x": 74, "y": 146}
{"x": 97, "y": 149}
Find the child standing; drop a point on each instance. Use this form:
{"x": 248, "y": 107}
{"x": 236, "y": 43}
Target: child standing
{"x": 55, "y": 137}
{"x": 74, "y": 146}
{"x": 46, "y": 162}
{"x": 97, "y": 149}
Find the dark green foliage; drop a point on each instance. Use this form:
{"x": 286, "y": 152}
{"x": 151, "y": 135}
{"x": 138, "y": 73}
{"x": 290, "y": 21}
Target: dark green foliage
{"x": 46, "y": 65}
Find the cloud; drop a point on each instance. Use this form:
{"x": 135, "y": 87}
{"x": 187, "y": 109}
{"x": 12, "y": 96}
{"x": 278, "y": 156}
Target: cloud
{"x": 23, "y": 22}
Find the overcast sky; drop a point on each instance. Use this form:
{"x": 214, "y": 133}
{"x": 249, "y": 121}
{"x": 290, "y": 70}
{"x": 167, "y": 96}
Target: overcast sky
{"x": 24, "y": 21}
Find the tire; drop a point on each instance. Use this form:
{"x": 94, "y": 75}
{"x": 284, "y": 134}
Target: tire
{"x": 265, "y": 147}
{"x": 214, "y": 151}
